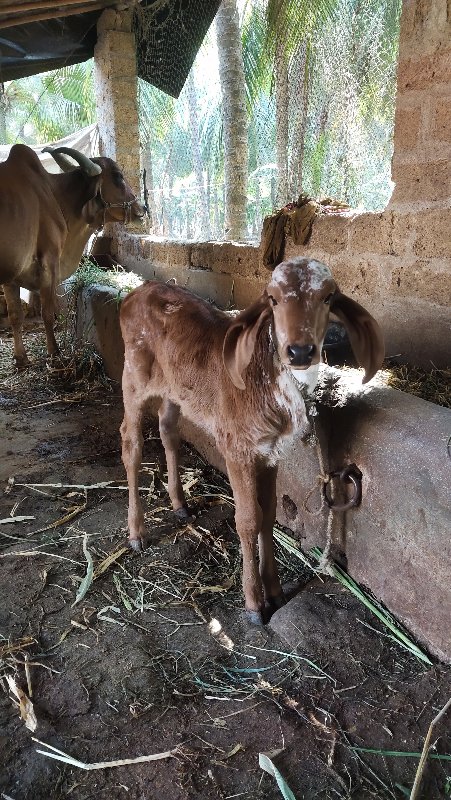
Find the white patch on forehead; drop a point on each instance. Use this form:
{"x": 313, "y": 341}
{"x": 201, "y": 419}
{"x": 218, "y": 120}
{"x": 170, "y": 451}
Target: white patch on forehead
{"x": 318, "y": 274}
{"x": 311, "y": 275}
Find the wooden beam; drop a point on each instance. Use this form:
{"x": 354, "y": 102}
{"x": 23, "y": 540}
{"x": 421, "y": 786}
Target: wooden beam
{"x": 7, "y": 7}
{"x": 26, "y": 19}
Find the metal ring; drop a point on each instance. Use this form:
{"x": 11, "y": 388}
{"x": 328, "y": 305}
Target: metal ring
{"x": 350, "y": 474}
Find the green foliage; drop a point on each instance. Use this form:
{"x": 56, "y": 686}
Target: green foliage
{"x": 46, "y": 107}
{"x": 341, "y": 60}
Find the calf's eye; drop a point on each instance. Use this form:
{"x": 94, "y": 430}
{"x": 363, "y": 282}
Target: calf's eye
{"x": 329, "y": 299}
{"x": 273, "y": 302}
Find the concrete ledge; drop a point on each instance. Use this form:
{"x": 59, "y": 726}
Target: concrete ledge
{"x": 398, "y": 541}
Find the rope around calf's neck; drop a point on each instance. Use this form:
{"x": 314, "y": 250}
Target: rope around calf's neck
{"x": 322, "y": 479}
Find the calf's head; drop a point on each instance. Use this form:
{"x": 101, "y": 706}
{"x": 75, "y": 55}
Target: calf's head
{"x": 298, "y": 299}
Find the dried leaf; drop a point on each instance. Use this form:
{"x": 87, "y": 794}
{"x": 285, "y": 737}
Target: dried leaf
{"x": 59, "y": 755}
{"x": 103, "y": 565}
{"x": 235, "y": 750}
{"x": 87, "y": 580}
{"x": 25, "y": 705}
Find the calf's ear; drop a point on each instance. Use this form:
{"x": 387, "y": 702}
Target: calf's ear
{"x": 364, "y": 333}
{"x": 240, "y": 339}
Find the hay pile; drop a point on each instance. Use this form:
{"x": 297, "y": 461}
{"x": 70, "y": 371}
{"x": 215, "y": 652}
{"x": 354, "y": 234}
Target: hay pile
{"x": 433, "y": 385}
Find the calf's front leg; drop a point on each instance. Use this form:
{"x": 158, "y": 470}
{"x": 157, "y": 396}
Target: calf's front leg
{"x": 248, "y": 520}
{"x": 132, "y": 442}
{"x": 267, "y": 498}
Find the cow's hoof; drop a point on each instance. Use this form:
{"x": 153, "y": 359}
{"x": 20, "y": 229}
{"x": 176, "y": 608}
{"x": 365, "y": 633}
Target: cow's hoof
{"x": 22, "y": 363}
{"x": 137, "y": 545}
{"x": 255, "y": 617}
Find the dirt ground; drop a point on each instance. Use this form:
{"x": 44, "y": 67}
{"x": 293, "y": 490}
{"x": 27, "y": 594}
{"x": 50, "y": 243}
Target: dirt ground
{"x": 158, "y": 656}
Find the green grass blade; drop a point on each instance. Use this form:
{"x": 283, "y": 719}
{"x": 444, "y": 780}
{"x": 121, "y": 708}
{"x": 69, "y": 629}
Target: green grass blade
{"x": 399, "y": 753}
{"x": 268, "y": 766}
{"x": 87, "y": 580}
{"x": 383, "y": 616}
{"x": 399, "y": 635}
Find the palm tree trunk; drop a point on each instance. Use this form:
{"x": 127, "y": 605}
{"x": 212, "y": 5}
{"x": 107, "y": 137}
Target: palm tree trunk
{"x": 282, "y": 97}
{"x": 205, "y": 230}
{"x": 301, "y": 80}
{"x": 231, "y": 74}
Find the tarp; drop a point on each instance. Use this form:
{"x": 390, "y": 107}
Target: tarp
{"x": 168, "y": 38}
{"x": 42, "y": 46}
{"x": 85, "y": 141}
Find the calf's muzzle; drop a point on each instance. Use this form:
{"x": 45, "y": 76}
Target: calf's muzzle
{"x": 301, "y": 356}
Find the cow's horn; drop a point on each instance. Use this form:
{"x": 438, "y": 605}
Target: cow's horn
{"x": 88, "y": 166}
{"x": 62, "y": 161}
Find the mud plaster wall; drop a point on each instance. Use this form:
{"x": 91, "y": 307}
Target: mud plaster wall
{"x": 396, "y": 263}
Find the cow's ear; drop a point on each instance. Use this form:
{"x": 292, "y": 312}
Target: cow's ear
{"x": 241, "y": 338}
{"x": 364, "y": 333}
{"x": 92, "y": 204}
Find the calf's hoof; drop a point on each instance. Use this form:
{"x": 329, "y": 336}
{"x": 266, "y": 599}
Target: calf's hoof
{"x": 255, "y": 617}
{"x": 184, "y": 515}
{"x": 274, "y": 603}
{"x": 137, "y": 545}
{"x": 21, "y": 363}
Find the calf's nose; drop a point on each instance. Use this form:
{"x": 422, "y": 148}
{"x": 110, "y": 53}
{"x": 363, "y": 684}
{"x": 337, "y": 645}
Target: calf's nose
{"x": 301, "y": 356}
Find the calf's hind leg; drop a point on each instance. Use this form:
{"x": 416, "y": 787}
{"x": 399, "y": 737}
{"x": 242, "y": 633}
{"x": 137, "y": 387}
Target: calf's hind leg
{"x": 136, "y": 396}
{"x": 168, "y": 415}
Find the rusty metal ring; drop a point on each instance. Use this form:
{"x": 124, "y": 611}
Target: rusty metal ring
{"x": 349, "y": 474}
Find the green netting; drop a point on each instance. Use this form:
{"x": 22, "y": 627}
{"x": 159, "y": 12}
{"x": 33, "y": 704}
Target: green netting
{"x": 319, "y": 80}
{"x": 320, "y": 110}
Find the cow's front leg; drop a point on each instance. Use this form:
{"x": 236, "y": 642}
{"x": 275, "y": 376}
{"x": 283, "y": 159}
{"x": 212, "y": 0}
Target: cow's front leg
{"x": 248, "y": 520}
{"x": 16, "y": 315}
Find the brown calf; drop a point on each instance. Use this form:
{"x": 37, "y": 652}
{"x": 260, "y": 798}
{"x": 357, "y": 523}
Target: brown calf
{"x": 232, "y": 377}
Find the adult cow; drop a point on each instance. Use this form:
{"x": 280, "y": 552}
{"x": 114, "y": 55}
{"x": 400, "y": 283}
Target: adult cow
{"x": 46, "y": 221}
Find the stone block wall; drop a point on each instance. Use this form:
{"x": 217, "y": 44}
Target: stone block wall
{"x": 115, "y": 85}
{"x": 385, "y": 261}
